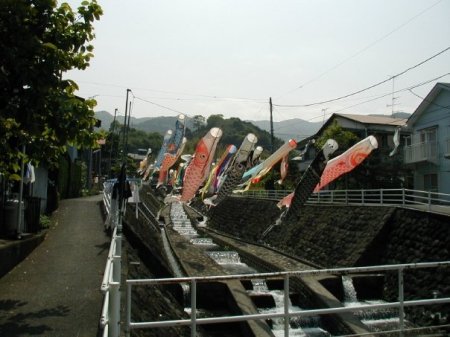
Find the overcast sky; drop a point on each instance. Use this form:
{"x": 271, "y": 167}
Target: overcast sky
{"x": 204, "y": 57}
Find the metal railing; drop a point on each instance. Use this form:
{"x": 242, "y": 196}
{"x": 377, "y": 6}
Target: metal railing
{"x": 263, "y": 194}
{"x": 286, "y": 314}
{"x": 426, "y": 151}
{"x": 425, "y": 200}
{"x": 110, "y": 316}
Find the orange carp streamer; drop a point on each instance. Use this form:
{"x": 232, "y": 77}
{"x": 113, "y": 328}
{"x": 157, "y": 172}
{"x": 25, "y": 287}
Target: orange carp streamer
{"x": 347, "y": 161}
{"x": 198, "y": 168}
{"x": 168, "y": 161}
{"x": 340, "y": 165}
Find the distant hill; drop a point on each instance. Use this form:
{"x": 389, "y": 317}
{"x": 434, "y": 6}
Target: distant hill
{"x": 147, "y": 124}
{"x": 296, "y": 128}
{"x": 398, "y": 114}
{"x": 159, "y": 124}
{"x": 285, "y": 130}
{"x": 107, "y": 118}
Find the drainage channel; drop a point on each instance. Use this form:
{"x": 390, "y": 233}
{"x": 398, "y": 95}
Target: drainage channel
{"x": 267, "y": 299}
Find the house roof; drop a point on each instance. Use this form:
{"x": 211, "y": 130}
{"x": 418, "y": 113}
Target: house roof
{"x": 364, "y": 119}
{"x": 371, "y": 119}
{"x": 427, "y": 101}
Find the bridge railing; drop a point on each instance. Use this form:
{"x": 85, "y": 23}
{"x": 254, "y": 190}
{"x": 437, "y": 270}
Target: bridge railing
{"x": 287, "y": 313}
{"x": 401, "y": 196}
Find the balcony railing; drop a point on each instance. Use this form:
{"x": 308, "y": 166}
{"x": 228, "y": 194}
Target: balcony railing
{"x": 427, "y": 151}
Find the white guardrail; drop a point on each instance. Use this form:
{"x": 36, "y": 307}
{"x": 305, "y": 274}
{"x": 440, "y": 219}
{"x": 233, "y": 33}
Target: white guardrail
{"x": 425, "y": 200}
{"x": 110, "y": 316}
{"x": 194, "y": 320}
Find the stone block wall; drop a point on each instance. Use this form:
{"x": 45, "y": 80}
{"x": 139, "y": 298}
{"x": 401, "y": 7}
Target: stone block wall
{"x": 347, "y": 236}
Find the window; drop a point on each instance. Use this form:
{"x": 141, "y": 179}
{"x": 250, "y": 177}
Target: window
{"x": 428, "y": 135}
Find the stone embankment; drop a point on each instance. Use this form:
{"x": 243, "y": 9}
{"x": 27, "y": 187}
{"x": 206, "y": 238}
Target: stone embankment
{"x": 350, "y": 236}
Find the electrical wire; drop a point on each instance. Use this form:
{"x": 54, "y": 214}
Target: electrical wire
{"x": 362, "y": 50}
{"x": 376, "y": 98}
{"x": 428, "y": 101}
{"x": 395, "y": 92}
{"x": 212, "y": 97}
{"x": 367, "y": 88}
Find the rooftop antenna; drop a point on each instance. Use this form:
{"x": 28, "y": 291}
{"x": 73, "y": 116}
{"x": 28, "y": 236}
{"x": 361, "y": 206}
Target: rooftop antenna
{"x": 393, "y": 98}
{"x": 323, "y": 111}
{"x": 271, "y": 125}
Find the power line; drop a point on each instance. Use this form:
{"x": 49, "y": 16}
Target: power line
{"x": 395, "y": 92}
{"x": 365, "y": 89}
{"x": 374, "y": 99}
{"x": 428, "y": 101}
{"x": 159, "y": 105}
{"x": 212, "y": 97}
{"x": 362, "y": 50}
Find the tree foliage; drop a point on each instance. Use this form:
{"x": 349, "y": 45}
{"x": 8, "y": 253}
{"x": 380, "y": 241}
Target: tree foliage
{"x": 198, "y": 121}
{"x": 137, "y": 140}
{"x": 39, "y": 42}
{"x": 344, "y": 138}
{"x": 234, "y": 132}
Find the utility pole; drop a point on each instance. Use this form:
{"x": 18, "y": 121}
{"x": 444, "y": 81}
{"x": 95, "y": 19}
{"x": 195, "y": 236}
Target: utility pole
{"x": 112, "y": 142}
{"x": 125, "y": 131}
{"x": 271, "y": 125}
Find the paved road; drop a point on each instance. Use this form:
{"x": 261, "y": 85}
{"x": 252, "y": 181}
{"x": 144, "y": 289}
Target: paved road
{"x": 55, "y": 291}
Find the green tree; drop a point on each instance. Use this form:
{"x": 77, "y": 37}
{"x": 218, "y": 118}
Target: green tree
{"x": 344, "y": 138}
{"x": 39, "y": 42}
{"x": 198, "y": 121}
{"x": 215, "y": 121}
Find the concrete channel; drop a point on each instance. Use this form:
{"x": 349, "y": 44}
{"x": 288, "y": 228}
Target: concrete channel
{"x": 195, "y": 262}
{"x": 229, "y": 294}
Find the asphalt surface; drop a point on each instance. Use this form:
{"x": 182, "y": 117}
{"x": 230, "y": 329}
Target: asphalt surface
{"x": 55, "y": 291}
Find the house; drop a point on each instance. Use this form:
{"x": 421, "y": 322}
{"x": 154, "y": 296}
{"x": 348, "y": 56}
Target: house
{"x": 380, "y": 126}
{"x": 387, "y": 168}
{"x": 427, "y": 149}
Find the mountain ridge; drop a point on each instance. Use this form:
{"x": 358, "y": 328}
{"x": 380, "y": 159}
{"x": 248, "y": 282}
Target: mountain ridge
{"x": 295, "y": 128}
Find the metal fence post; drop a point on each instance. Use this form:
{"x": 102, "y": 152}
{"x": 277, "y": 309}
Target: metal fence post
{"x": 193, "y": 308}
{"x": 401, "y": 300}
{"x": 381, "y": 196}
{"x": 114, "y": 310}
{"x": 403, "y": 196}
{"x": 429, "y": 200}
{"x": 128, "y": 317}
{"x": 286, "y": 305}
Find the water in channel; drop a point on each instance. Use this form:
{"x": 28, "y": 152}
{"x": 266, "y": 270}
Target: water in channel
{"x": 306, "y": 326}
{"x": 377, "y": 320}
{"x": 230, "y": 261}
